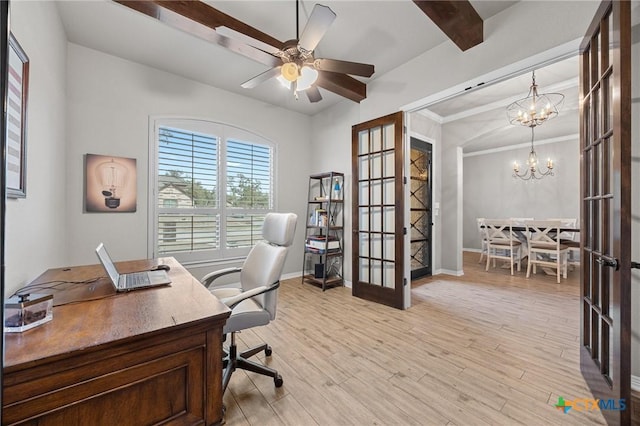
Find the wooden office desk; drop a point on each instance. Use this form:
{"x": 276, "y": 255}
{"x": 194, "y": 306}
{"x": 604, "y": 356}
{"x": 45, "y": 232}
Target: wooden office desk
{"x": 145, "y": 357}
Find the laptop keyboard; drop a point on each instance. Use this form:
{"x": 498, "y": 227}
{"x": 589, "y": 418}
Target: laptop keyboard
{"x": 135, "y": 280}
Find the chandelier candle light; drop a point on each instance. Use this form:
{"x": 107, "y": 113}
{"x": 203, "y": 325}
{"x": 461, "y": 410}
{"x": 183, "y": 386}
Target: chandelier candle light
{"x": 532, "y": 171}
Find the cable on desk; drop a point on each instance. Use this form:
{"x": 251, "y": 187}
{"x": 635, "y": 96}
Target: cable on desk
{"x": 51, "y": 285}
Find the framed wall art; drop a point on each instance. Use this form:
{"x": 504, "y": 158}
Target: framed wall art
{"x": 16, "y": 137}
{"x": 110, "y": 184}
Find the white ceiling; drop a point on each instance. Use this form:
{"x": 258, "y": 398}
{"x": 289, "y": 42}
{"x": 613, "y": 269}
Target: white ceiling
{"x": 383, "y": 33}
{"x": 479, "y": 118}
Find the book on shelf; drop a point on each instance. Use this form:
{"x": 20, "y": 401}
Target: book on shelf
{"x": 318, "y": 218}
{"x": 323, "y": 244}
{"x": 322, "y": 237}
{"x": 320, "y": 251}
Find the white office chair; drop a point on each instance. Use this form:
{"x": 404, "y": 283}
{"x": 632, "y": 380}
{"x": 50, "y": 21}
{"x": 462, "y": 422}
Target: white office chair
{"x": 253, "y": 300}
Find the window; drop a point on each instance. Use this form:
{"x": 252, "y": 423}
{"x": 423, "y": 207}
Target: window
{"x": 214, "y": 187}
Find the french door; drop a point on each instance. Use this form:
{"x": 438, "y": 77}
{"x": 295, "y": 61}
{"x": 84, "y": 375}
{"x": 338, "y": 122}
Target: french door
{"x": 605, "y": 141}
{"x": 378, "y": 210}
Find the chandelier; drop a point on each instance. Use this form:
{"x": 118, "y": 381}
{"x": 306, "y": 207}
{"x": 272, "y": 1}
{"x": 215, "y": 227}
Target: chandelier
{"x": 532, "y": 172}
{"x": 536, "y": 108}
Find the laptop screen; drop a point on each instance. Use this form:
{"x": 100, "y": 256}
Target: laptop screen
{"x": 106, "y": 261}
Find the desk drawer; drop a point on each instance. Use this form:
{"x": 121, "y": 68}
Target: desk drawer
{"x": 148, "y": 386}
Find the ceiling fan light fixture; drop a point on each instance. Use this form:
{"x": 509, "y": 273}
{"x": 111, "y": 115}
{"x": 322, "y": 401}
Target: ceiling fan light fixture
{"x": 290, "y": 71}
{"x": 308, "y": 76}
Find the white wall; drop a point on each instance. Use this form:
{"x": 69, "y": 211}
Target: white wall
{"x": 109, "y": 104}
{"x": 330, "y": 154}
{"x": 490, "y": 191}
{"x": 36, "y": 234}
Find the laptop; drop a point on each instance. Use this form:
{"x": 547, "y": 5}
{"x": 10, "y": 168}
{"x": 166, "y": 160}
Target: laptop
{"x": 132, "y": 281}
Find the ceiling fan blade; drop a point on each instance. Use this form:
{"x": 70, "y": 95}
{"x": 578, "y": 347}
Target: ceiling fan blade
{"x": 345, "y": 67}
{"x": 261, "y": 78}
{"x": 243, "y": 38}
{"x": 342, "y": 85}
{"x": 313, "y": 93}
{"x": 319, "y": 22}
{"x": 201, "y": 20}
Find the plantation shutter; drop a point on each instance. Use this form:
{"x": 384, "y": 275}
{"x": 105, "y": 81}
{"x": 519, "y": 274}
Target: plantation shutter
{"x": 188, "y": 211}
{"x": 249, "y": 192}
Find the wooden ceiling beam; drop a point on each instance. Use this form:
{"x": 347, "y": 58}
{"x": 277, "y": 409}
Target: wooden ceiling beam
{"x": 201, "y": 20}
{"x": 201, "y": 13}
{"x": 457, "y": 19}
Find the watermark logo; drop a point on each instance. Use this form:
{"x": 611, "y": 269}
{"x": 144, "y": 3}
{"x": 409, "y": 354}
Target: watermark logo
{"x": 563, "y": 406}
{"x": 589, "y": 404}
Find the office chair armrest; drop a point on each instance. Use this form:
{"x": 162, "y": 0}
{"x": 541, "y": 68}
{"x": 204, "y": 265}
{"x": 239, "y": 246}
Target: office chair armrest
{"x": 212, "y": 276}
{"x": 232, "y": 301}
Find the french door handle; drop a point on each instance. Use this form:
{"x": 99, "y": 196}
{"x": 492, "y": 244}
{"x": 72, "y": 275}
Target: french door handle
{"x": 635, "y": 265}
{"x": 612, "y": 262}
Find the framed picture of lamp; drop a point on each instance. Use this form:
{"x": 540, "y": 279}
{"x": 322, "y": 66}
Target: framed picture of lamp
{"x": 16, "y": 136}
{"x": 110, "y": 184}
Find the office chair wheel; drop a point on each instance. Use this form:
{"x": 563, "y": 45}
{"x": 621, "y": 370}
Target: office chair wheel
{"x": 268, "y": 351}
{"x": 278, "y": 381}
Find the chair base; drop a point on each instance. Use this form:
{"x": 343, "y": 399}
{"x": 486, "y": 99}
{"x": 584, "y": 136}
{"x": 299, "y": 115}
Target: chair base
{"x": 234, "y": 360}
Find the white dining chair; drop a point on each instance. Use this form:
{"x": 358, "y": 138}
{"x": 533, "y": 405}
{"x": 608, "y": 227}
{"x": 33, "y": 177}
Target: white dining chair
{"x": 545, "y": 248}
{"x": 483, "y": 237}
{"x": 519, "y": 221}
{"x": 569, "y": 239}
{"x": 502, "y": 243}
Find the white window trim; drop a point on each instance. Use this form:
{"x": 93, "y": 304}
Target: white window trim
{"x": 224, "y": 131}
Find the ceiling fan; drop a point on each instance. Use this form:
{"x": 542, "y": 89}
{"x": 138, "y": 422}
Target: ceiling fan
{"x": 299, "y": 69}
{"x": 293, "y": 60}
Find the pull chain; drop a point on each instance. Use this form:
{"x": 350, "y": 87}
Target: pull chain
{"x": 297, "y": 20}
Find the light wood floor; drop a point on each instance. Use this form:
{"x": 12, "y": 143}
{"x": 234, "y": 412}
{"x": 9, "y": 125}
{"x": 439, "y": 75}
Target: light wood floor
{"x": 485, "y": 348}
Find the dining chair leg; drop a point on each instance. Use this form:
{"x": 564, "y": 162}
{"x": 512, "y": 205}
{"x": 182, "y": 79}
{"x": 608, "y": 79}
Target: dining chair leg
{"x": 488, "y": 258}
{"x": 529, "y": 266}
{"x": 511, "y": 260}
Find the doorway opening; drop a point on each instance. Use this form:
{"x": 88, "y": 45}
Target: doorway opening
{"x": 420, "y": 200}
{"x": 476, "y": 147}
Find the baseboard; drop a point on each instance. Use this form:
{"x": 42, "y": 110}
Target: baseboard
{"x": 299, "y": 275}
{"x": 635, "y": 400}
{"x": 448, "y": 272}
{"x": 473, "y": 250}
{"x": 291, "y": 275}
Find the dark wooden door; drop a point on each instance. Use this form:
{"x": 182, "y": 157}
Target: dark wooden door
{"x": 420, "y": 190}
{"x": 378, "y": 210}
{"x": 605, "y": 129}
